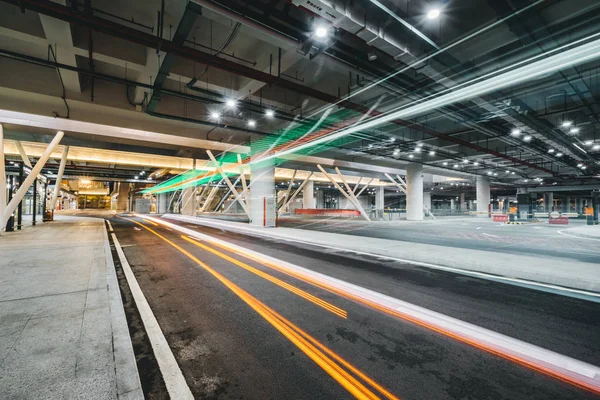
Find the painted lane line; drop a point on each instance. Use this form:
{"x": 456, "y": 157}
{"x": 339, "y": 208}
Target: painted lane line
{"x": 577, "y": 237}
{"x": 567, "y": 369}
{"x": 487, "y": 234}
{"x": 478, "y": 227}
{"x": 557, "y": 289}
{"x": 110, "y": 228}
{"x": 314, "y": 299}
{"x": 172, "y": 375}
{"x": 294, "y": 334}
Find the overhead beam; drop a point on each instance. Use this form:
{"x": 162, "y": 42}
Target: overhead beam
{"x": 363, "y": 213}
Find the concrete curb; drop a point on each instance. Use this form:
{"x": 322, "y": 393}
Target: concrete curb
{"x": 129, "y": 385}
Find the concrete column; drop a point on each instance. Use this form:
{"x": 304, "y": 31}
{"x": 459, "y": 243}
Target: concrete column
{"x": 308, "y": 195}
{"x": 549, "y": 201}
{"x": 188, "y": 201}
{"x": 162, "y": 202}
{"x": 379, "y": 198}
{"x": 122, "y": 198}
{"x": 483, "y": 196}
{"x": 452, "y": 204}
{"x": 463, "y": 204}
{"x": 262, "y": 178}
{"x": 414, "y": 190}
{"x": 566, "y": 204}
{"x": 427, "y": 200}
{"x": 59, "y": 176}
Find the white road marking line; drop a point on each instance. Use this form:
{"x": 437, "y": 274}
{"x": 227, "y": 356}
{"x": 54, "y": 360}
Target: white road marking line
{"x": 561, "y": 364}
{"x": 478, "y": 227}
{"x": 487, "y": 234}
{"x": 110, "y": 228}
{"x": 577, "y": 237}
{"x": 174, "y": 380}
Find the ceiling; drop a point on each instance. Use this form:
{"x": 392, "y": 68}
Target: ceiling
{"x": 116, "y": 63}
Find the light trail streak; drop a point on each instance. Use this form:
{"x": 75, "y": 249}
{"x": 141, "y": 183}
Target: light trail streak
{"x": 321, "y": 303}
{"x": 438, "y": 329}
{"x": 310, "y": 346}
{"x": 568, "y": 58}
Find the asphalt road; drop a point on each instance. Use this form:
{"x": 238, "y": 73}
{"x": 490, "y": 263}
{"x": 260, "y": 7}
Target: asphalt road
{"x": 468, "y": 233}
{"x": 228, "y": 348}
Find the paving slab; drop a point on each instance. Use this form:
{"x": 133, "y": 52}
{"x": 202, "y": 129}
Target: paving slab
{"x": 61, "y": 315}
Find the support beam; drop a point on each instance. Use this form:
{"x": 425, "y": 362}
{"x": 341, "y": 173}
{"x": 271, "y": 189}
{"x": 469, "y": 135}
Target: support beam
{"x": 210, "y": 197}
{"x": 302, "y": 186}
{"x": 364, "y": 187}
{"x": 242, "y": 172}
{"x": 238, "y": 198}
{"x": 362, "y": 212}
{"x": 357, "y": 185}
{"x": 23, "y": 154}
{"x": 401, "y": 186}
{"x": 61, "y": 171}
{"x": 414, "y": 192}
{"x": 289, "y": 189}
{"x": 351, "y": 193}
{"x": 10, "y": 208}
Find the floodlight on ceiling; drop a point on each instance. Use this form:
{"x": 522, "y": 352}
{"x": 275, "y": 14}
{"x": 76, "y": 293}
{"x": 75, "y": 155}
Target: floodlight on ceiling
{"x": 550, "y": 150}
{"x": 321, "y": 32}
{"x": 596, "y": 147}
{"x": 230, "y": 103}
{"x": 433, "y": 14}
{"x": 455, "y": 165}
{"x": 589, "y": 142}
{"x": 432, "y": 153}
{"x": 215, "y": 115}
{"x": 515, "y": 132}
{"x": 559, "y": 154}
{"x": 251, "y": 123}
{"x": 574, "y": 131}
{"x": 566, "y": 124}
{"x": 444, "y": 163}
{"x": 527, "y": 138}
{"x": 270, "y": 113}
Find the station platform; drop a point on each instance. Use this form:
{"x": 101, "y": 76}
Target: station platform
{"x": 547, "y": 270}
{"x": 63, "y": 331}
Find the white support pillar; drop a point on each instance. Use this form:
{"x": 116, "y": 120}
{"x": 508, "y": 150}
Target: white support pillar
{"x": 452, "y": 204}
{"x": 549, "y": 201}
{"x": 162, "y": 202}
{"x": 262, "y": 177}
{"x": 188, "y": 201}
{"x": 483, "y": 196}
{"x": 308, "y": 195}
{"x": 10, "y": 208}
{"x": 61, "y": 171}
{"x": 2, "y": 177}
{"x": 463, "y": 204}
{"x": 414, "y": 192}
{"x": 380, "y": 198}
{"x": 23, "y": 154}
{"x": 427, "y": 200}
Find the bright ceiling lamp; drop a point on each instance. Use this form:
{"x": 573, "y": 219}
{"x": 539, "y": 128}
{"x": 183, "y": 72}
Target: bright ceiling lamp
{"x": 433, "y": 14}
{"x": 515, "y": 132}
{"x": 566, "y": 124}
{"x": 321, "y": 32}
{"x": 574, "y": 130}
{"x": 550, "y": 150}
{"x": 554, "y": 60}
{"x": 527, "y": 138}
{"x": 270, "y": 113}
{"x": 251, "y": 123}
{"x": 215, "y": 115}
{"x": 230, "y": 103}
{"x": 432, "y": 153}
{"x": 596, "y": 147}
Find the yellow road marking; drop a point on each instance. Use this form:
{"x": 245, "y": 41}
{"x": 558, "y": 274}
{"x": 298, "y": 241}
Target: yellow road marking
{"x": 328, "y": 306}
{"x": 297, "y": 336}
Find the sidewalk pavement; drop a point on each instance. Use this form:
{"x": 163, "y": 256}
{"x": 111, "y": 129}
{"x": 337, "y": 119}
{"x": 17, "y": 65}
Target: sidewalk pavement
{"x": 63, "y": 332}
{"x": 547, "y": 270}
{"x": 586, "y": 231}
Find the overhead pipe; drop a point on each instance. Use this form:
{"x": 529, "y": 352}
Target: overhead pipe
{"x": 67, "y": 14}
{"x": 12, "y": 205}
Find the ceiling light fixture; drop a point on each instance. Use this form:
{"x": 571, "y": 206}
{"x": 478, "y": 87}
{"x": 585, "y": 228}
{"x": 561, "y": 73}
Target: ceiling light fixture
{"x": 584, "y": 167}
{"x": 417, "y": 150}
{"x": 230, "y": 103}
{"x": 527, "y": 138}
{"x": 321, "y": 32}
{"x": 579, "y": 165}
{"x": 445, "y": 163}
{"x": 251, "y": 123}
{"x": 596, "y": 147}
{"x": 433, "y": 14}
{"x": 515, "y": 132}
{"x": 566, "y": 124}
{"x": 432, "y": 153}
{"x": 550, "y": 150}
{"x": 475, "y": 163}
{"x": 270, "y": 113}
{"x": 215, "y": 115}
{"x": 455, "y": 165}
{"x": 574, "y": 130}
{"x": 411, "y": 156}
{"x": 559, "y": 154}
{"x": 589, "y": 142}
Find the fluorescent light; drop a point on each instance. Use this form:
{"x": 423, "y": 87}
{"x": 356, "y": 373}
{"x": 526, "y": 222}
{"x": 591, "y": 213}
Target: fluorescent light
{"x": 579, "y": 165}
{"x": 507, "y": 171}
{"x": 433, "y": 14}
{"x": 476, "y": 163}
{"x": 445, "y": 163}
{"x": 550, "y": 150}
{"x": 215, "y": 115}
{"x": 596, "y": 147}
{"x": 495, "y": 174}
{"x": 432, "y": 153}
{"x": 466, "y": 161}
{"x": 270, "y": 113}
{"x": 321, "y": 32}
{"x": 589, "y": 142}
{"x": 230, "y": 103}
{"x": 417, "y": 150}
{"x": 419, "y": 144}
{"x": 515, "y": 132}
{"x": 489, "y": 172}
{"x": 251, "y": 123}
{"x": 584, "y": 167}
{"x": 396, "y": 152}
{"x": 559, "y": 154}
{"x": 527, "y": 138}
{"x": 143, "y": 173}
{"x": 575, "y": 144}
{"x": 566, "y": 124}
{"x": 455, "y": 165}
{"x": 512, "y": 173}
{"x": 574, "y": 130}
{"x": 136, "y": 177}
{"x": 525, "y": 180}
{"x": 411, "y": 156}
